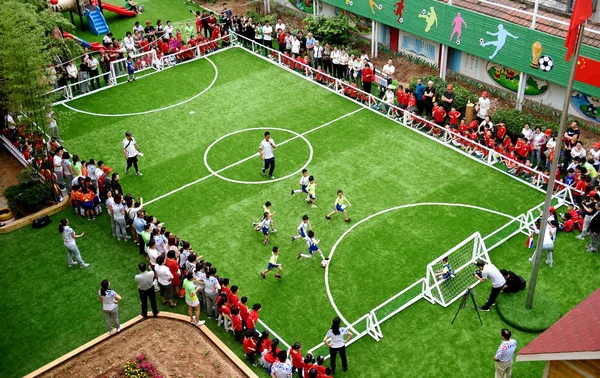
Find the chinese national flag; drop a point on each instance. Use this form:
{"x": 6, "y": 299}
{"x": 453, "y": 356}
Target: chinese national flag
{"x": 581, "y": 12}
{"x": 588, "y": 71}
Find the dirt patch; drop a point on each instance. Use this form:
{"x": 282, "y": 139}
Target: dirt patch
{"x": 175, "y": 348}
{"x": 9, "y": 169}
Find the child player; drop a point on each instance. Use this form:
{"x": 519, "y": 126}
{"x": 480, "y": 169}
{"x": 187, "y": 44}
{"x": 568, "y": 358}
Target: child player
{"x": 340, "y": 205}
{"x": 130, "y": 69}
{"x": 303, "y": 228}
{"x": 313, "y": 245}
{"x": 273, "y": 263}
{"x": 312, "y": 192}
{"x": 303, "y": 183}
{"x": 446, "y": 271}
{"x": 264, "y": 226}
{"x": 266, "y": 209}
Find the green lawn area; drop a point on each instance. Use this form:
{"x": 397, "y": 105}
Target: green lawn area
{"x": 377, "y": 163}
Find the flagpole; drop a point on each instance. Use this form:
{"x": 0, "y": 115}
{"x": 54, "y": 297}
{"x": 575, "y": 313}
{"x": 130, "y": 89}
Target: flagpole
{"x": 550, "y": 188}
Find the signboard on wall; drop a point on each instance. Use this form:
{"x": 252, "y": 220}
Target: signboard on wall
{"x": 510, "y": 45}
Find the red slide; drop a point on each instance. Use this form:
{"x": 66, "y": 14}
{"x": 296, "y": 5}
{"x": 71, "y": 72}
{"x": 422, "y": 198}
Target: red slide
{"x": 118, "y": 10}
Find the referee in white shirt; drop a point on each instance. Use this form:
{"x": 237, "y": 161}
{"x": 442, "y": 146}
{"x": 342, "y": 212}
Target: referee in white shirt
{"x": 496, "y": 278}
{"x": 131, "y": 152}
{"x": 265, "y": 148}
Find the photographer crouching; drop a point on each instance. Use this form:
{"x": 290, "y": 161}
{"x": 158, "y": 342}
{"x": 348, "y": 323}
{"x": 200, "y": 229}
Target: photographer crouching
{"x": 485, "y": 271}
{"x": 514, "y": 282}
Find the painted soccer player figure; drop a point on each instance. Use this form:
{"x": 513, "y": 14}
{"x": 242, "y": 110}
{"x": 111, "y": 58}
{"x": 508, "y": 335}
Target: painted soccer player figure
{"x": 501, "y": 34}
{"x": 457, "y": 24}
{"x": 399, "y": 9}
{"x": 431, "y": 18}
{"x": 374, "y": 4}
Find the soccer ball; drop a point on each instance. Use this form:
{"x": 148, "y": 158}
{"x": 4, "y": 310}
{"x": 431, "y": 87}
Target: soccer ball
{"x": 546, "y": 63}
{"x": 481, "y": 41}
{"x": 423, "y": 12}
{"x": 380, "y": 6}
{"x": 324, "y": 263}
{"x": 458, "y": 42}
{"x": 400, "y": 20}
{"x": 350, "y": 3}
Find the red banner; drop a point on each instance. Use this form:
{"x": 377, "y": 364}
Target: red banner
{"x": 588, "y": 71}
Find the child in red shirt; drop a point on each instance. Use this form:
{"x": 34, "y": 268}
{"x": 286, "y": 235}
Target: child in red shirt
{"x": 319, "y": 366}
{"x": 296, "y": 356}
{"x": 236, "y": 324}
{"x": 250, "y": 345}
{"x": 411, "y": 104}
{"x": 400, "y": 95}
{"x": 501, "y": 132}
{"x": 243, "y": 310}
{"x": 439, "y": 114}
{"x": 454, "y": 115}
{"x": 233, "y": 298}
{"x": 309, "y": 361}
{"x": 253, "y": 317}
{"x": 473, "y": 125}
{"x": 269, "y": 355}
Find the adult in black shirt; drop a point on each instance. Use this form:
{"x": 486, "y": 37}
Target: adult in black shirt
{"x": 302, "y": 40}
{"x": 428, "y": 97}
{"x": 205, "y": 27}
{"x": 573, "y": 133}
{"x": 513, "y": 283}
{"x": 448, "y": 99}
{"x": 595, "y": 232}
{"x": 149, "y": 29}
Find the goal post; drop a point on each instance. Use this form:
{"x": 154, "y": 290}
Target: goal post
{"x": 445, "y": 283}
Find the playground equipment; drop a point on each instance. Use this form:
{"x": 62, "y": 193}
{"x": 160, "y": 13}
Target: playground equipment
{"x": 95, "y": 46}
{"x": 92, "y": 9}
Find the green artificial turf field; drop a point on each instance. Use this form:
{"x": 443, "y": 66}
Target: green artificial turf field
{"x": 51, "y": 309}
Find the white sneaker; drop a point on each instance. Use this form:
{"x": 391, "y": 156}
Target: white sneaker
{"x": 138, "y": 174}
{"x": 274, "y": 231}
{"x": 110, "y": 332}
{"x": 200, "y": 322}
{"x": 119, "y": 328}
{"x": 580, "y": 237}
{"x": 84, "y": 265}
{"x": 531, "y": 260}
{"x": 193, "y": 320}
{"x": 72, "y": 264}
{"x": 314, "y": 206}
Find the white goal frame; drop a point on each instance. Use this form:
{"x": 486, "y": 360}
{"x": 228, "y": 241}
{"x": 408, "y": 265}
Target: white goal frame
{"x": 432, "y": 283}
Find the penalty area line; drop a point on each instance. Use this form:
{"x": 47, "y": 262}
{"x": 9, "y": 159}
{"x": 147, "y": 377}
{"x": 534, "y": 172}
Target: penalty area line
{"x": 249, "y": 157}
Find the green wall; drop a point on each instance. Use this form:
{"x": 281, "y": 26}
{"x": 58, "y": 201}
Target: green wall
{"x": 419, "y": 17}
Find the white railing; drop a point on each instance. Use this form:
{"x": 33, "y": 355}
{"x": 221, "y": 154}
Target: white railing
{"x": 14, "y": 151}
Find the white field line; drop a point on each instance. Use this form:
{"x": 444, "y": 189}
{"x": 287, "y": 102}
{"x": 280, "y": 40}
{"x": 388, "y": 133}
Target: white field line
{"x": 152, "y": 110}
{"x": 248, "y": 158}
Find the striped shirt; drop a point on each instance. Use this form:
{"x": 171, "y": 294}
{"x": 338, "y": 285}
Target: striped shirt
{"x": 311, "y": 242}
{"x": 303, "y": 226}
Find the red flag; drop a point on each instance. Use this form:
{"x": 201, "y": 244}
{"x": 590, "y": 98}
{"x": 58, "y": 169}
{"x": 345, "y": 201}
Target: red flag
{"x": 588, "y": 71}
{"x": 581, "y": 12}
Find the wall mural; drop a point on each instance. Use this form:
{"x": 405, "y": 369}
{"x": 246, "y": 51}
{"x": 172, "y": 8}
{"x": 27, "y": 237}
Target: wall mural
{"x": 509, "y": 79}
{"x": 586, "y": 105}
{"x": 418, "y": 47}
{"x": 358, "y": 23}
{"x": 527, "y": 50}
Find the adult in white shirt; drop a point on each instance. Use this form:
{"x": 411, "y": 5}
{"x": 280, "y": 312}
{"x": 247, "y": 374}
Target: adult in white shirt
{"x": 165, "y": 281}
{"x": 93, "y": 71}
{"x": 129, "y": 42}
{"x": 318, "y": 53}
{"x": 336, "y": 339}
{"x": 131, "y": 152}
{"x": 295, "y": 46}
{"x": 483, "y": 106}
{"x": 280, "y": 25}
{"x": 69, "y": 237}
{"x": 52, "y": 124}
{"x": 152, "y": 253}
{"x": 388, "y": 70}
{"x": 110, "y": 306}
{"x": 211, "y": 291}
{"x": 548, "y": 242}
{"x": 504, "y": 355}
{"x": 594, "y": 153}
{"x": 578, "y": 151}
{"x": 538, "y": 140}
{"x": 145, "y": 282}
{"x": 168, "y": 30}
{"x": 118, "y": 213}
{"x": 267, "y": 31}
{"x": 58, "y": 166}
{"x": 137, "y": 27}
{"x": 335, "y": 61}
{"x": 527, "y": 132}
{"x": 489, "y": 271}
{"x": 72, "y": 73}
{"x": 12, "y": 126}
{"x": 265, "y": 149}
{"x": 344, "y": 57}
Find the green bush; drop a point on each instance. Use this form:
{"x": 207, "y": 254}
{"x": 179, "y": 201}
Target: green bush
{"x": 28, "y": 197}
{"x": 335, "y": 30}
{"x": 462, "y": 96}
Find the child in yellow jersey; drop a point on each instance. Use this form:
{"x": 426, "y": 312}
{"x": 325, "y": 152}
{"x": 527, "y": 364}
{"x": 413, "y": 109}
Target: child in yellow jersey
{"x": 273, "y": 263}
{"x": 340, "y": 205}
{"x": 312, "y": 192}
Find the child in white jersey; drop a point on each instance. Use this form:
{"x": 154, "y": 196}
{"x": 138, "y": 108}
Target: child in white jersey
{"x": 313, "y": 245}
{"x": 303, "y": 183}
{"x": 303, "y": 228}
{"x": 340, "y": 205}
{"x": 265, "y": 225}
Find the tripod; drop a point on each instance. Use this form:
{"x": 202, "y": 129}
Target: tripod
{"x": 464, "y": 303}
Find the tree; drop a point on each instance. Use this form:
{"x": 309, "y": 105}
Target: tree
{"x": 28, "y": 46}
{"x": 335, "y": 30}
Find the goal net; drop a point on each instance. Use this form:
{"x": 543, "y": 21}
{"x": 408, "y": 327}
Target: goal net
{"x": 446, "y": 281}
{"x": 142, "y": 61}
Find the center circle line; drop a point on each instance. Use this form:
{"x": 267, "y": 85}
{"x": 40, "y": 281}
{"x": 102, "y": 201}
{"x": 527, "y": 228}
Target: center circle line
{"x": 217, "y": 173}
